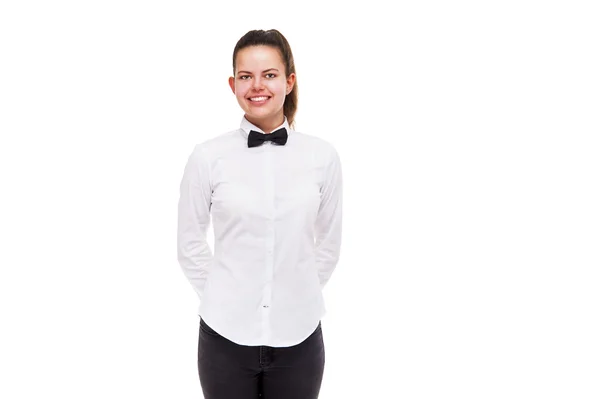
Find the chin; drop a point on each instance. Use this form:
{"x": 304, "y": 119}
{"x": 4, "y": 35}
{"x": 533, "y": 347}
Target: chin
{"x": 261, "y": 115}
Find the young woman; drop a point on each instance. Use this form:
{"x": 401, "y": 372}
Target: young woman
{"x": 275, "y": 198}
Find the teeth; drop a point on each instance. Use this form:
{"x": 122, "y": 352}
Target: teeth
{"x": 258, "y": 98}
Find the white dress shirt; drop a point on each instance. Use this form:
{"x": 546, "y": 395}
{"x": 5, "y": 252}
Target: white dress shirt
{"x": 277, "y": 219}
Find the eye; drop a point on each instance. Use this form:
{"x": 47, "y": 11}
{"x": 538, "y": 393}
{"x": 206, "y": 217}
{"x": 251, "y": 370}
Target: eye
{"x": 271, "y": 74}
{"x": 244, "y": 76}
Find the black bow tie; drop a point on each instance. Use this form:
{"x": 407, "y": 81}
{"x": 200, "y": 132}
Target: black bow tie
{"x": 279, "y": 136}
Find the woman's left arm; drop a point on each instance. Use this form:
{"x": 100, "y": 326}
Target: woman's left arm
{"x": 328, "y": 228}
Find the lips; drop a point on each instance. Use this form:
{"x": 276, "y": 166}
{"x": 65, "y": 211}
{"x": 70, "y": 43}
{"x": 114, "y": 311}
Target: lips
{"x": 258, "y": 100}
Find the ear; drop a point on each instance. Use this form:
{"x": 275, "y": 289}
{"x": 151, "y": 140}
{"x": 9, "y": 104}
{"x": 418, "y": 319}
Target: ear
{"x": 232, "y": 84}
{"x": 291, "y": 80}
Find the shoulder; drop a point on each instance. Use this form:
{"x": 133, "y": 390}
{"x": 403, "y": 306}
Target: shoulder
{"x": 314, "y": 141}
{"x": 323, "y": 148}
{"x": 219, "y": 143}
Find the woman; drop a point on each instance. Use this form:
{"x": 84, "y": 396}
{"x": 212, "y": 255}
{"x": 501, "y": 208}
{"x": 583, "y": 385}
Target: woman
{"x": 275, "y": 196}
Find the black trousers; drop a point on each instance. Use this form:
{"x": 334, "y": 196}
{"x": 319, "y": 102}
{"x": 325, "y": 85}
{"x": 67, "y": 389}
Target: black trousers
{"x": 231, "y": 371}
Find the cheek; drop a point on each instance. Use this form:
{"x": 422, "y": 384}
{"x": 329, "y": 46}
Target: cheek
{"x": 240, "y": 93}
{"x": 241, "y": 88}
{"x": 278, "y": 88}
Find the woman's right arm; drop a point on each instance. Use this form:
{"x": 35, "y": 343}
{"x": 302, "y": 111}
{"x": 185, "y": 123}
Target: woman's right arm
{"x": 193, "y": 252}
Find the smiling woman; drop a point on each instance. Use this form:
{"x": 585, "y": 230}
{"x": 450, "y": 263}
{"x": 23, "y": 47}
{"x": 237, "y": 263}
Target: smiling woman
{"x": 264, "y": 80}
{"x": 274, "y": 196}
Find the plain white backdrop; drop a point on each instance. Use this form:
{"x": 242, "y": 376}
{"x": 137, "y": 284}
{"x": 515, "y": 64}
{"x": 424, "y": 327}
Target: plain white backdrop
{"x": 468, "y": 134}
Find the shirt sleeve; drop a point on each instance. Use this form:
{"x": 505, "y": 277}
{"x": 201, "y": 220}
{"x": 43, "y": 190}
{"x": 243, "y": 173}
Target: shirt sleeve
{"x": 193, "y": 252}
{"x": 328, "y": 229}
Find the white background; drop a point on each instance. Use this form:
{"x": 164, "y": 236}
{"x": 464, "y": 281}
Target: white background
{"x": 468, "y": 133}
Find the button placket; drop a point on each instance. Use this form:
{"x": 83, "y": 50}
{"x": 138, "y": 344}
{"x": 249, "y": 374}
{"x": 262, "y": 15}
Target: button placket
{"x": 269, "y": 240}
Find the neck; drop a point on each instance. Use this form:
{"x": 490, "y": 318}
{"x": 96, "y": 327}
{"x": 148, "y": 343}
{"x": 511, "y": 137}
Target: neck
{"x": 267, "y": 126}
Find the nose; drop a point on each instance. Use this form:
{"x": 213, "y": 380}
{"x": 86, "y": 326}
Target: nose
{"x": 257, "y": 85}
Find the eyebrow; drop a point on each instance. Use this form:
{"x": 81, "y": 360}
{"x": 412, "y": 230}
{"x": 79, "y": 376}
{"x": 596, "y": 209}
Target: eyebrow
{"x": 266, "y": 70}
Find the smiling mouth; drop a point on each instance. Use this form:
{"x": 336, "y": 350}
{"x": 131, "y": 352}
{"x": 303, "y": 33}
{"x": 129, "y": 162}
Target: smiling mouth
{"x": 259, "y": 99}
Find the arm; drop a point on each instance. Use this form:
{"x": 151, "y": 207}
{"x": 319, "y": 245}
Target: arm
{"x": 193, "y": 252}
{"x": 328, "y": 228}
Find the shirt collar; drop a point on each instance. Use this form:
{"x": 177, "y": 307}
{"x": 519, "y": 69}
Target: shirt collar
{"x": 246, "y": 126}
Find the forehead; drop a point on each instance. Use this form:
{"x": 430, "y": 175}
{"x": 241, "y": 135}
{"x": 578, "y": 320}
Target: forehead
{"x": 259, "y": 58}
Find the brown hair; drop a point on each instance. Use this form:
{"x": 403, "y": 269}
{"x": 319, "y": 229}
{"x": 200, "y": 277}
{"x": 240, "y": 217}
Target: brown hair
{"x": 274, "y": 38}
